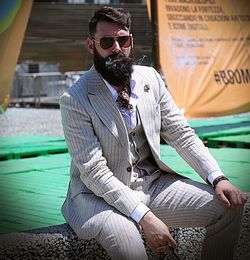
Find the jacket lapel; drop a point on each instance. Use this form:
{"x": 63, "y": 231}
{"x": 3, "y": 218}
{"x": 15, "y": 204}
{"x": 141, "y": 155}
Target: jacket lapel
{"x": 143, "y": 106}
{"x": 105, "y": 107}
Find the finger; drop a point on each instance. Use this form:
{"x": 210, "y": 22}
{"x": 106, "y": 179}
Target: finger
{"x": 224, "y": 199}
{"x": 153, "y": 245}
{"x": 243, "y": 198}
{"x": 163, "y": 249}
{"x": 171, "y": 242}
{"x": 233, "y": 198}
{"x": 237, "y": 199}
{"x": 240, "y": 199}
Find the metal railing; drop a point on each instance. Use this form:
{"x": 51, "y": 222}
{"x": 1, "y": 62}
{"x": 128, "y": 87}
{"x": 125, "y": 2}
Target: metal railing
{"x": 34, "y": 86}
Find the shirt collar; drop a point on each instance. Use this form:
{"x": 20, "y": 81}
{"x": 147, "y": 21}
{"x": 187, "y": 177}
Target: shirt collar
{"x": 111, "y": 89}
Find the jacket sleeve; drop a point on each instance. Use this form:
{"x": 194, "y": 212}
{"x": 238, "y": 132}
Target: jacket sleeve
{"x": 176, "y": 131}
{"x": 86, "y": 152}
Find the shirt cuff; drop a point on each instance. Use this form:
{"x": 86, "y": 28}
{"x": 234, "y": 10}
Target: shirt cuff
{"x": 212, "y": 176}
{"x": 139, "y": 212}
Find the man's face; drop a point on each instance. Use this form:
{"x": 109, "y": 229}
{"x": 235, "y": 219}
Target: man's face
{"x": 113, "y": 63}
{"x": 105, "y": 29}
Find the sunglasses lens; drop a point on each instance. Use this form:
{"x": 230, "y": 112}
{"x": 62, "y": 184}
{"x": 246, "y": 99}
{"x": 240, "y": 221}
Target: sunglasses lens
{"x": 124, "y": 41}
{"x": 108, "y": 42}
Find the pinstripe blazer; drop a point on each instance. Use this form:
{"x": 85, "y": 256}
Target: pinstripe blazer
{"x": 98, "y": 144}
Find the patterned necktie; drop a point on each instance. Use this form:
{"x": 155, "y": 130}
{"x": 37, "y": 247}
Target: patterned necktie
{"x": 123, "y": 100}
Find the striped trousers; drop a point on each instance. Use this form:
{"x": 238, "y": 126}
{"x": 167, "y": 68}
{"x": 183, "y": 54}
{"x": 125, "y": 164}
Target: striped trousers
{"x": 178, "y": 202}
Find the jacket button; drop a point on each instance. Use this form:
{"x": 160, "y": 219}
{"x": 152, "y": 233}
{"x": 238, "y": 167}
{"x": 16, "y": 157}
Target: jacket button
{"x": 129, "y": 169}
{"x": 135, "y": 175}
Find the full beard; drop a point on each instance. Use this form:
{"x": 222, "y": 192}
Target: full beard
{"x": 116, "y": 69}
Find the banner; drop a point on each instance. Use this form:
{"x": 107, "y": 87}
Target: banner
{"x": 204, "y": 54}
{"x": 14, "y": 16}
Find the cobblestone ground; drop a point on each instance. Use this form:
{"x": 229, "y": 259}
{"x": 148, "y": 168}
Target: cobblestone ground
{"x": 29, "y": 121}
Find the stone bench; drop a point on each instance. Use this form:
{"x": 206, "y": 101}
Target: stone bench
{"x": 60, "y": 242}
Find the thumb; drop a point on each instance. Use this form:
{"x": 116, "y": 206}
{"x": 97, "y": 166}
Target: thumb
{"x": 172, "y": 242}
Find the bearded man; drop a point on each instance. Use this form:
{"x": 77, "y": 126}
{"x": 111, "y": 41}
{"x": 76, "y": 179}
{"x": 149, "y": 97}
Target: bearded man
{"x": 113, "y": 118}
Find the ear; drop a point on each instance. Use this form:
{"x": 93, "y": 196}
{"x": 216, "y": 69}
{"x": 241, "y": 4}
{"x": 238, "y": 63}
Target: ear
{"x": 90, "y": 45}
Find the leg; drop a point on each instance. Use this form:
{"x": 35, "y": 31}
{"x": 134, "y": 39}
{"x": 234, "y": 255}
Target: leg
{"x": 222, "y": 237}
{"x": 181, "y": 202}
{"x": 121, "y": 238}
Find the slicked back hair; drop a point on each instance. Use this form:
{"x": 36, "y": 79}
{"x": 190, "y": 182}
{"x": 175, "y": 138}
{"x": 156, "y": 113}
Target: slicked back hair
{"x": 112, "y": 15}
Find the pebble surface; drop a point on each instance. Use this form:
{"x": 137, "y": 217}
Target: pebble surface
{"x": 60, "y": 242}
{"x": 30, "y": 121}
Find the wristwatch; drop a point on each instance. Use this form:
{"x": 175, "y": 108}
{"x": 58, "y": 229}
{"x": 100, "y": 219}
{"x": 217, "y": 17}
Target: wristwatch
{"x": 218, "y": 179}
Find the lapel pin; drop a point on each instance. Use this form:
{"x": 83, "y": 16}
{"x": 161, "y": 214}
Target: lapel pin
{"x": 146, "y": 88}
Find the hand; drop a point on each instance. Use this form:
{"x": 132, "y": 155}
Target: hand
{"x": 230, "y": 195}
{"x": 156, "y": 233}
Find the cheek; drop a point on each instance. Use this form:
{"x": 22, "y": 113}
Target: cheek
{"x": 126, "y": 51}
{"x": 104, "y": 53}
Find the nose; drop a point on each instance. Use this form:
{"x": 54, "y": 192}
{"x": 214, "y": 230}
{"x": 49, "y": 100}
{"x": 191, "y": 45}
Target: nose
{"x": 116, "y": 47}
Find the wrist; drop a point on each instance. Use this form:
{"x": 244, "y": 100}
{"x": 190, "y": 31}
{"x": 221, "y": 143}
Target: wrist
{"x": 146, "y": 218}
{"x": 219, "y": 179}
{"x": 213, "y": 175}
{"x": 139, "y": 212}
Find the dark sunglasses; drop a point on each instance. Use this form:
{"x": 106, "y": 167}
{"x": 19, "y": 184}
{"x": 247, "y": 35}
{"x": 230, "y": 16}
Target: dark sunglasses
{"x": 108, "y": 42}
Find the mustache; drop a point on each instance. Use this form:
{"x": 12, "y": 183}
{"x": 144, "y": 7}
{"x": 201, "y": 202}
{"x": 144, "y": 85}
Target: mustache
{"x": 117, "y": 56}
{"x": 112, "y": 60}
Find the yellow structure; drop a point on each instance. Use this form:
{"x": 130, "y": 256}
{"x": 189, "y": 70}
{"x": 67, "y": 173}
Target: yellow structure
{"x": 204, "y": 50}
{"x": 14, "y": 15}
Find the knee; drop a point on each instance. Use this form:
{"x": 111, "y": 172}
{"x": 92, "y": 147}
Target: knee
{"x": 221, "y": 216}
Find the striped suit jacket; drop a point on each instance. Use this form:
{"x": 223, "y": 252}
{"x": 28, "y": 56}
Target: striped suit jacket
{"x": 98, "y": 143}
